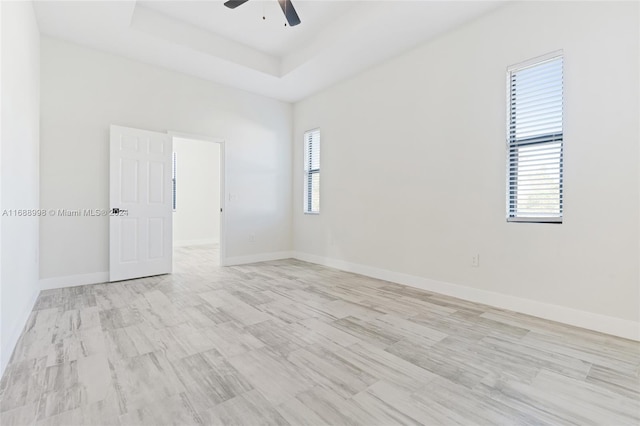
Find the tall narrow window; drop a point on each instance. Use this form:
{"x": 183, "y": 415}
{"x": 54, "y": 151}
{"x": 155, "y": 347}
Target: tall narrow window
{"x": 312, "y": 171}
{"x": 174, "y": 166}
{"x": 535, "y": 141}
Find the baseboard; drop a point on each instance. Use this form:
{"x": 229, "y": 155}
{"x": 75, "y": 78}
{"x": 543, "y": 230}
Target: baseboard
{"x": 254, "y": 258}
{"x": 103, "y": 277}
{"x": 73, "y": 280}
{"x": 7, "y": 349}
{"x": 205, "y": 242}
{"x": 589, "y": 320}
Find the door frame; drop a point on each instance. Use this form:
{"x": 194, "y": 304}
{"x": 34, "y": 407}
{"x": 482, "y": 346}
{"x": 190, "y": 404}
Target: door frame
{"x": 223, "y": 191}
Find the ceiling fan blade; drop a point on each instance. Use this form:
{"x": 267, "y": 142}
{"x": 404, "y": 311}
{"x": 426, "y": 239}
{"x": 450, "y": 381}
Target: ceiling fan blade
{"x": 232, "y": 4}
{"x": 289, "y": 12}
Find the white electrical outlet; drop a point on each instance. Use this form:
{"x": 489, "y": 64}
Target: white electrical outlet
{"x": 252, "y": 238}
{"x": 475, "y": 261}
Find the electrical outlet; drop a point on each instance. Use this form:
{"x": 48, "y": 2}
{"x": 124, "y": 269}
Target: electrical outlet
{"x": 475, "y": 261}
{"x": 252, "y": 238}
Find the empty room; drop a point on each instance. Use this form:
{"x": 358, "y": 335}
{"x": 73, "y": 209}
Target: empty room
{"x": 315, "y": 212}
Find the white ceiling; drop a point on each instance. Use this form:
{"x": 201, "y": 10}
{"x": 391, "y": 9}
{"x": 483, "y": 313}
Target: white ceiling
{"x": 245, "y": 24}
{"x": 239, "y": 48}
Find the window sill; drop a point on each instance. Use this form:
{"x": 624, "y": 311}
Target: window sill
{"x": 557, "y": 220}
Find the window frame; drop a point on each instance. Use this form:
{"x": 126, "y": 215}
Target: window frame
{"x": 512, "y": 166}
{"x": 309, "y": 171}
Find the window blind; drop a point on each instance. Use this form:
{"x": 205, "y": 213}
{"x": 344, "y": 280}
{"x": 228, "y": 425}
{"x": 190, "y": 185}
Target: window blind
{"x": 174, "y": 170}
{"x": 312, "y": 171}
{"x": 535, "y": 142}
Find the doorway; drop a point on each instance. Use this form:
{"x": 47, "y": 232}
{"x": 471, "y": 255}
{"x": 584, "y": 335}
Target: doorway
{"x": 198, "y": 198}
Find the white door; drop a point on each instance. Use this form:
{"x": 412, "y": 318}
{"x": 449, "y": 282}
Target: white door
{"x": 140, "y": 228}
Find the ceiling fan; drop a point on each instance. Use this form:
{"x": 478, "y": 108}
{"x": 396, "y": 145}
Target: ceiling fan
{"x": 287, "y": 7}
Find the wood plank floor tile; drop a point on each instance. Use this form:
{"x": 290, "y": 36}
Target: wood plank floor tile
{"x": 250, "y": 408}
{"x": 292, "y": 343}
{"x": 296, "y": 413}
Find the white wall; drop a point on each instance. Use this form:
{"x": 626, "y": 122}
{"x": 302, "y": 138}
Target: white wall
{"x": 19, "y": 170}
{"x": 84, "y": 91}
{"x": 413, "y": 165}
{"x": 196, "y": 219}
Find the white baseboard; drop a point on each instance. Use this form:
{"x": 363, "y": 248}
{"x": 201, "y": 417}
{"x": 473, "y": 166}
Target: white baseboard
{"x": 187, "y": 243}
{"x": 103, "y": 277}
{"x": 254, "y": 258}
{"x": 589, "y": 320}
{"x": 10, "y": 343}
{"x": 74, "y": 280}
{"x": 584, "y": 319}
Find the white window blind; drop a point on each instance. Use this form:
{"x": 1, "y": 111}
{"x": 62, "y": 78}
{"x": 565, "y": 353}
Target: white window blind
{"x": 535, "y": 141}
{"x": 174, "y": 171}
{"x": 312, "y": 171}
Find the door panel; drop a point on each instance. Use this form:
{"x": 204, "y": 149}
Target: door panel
{"x": 129, "y": 170}
{"x": 156, "y": 238}
{"x": 156, "y": 181}
{"x": 140, "y": 187}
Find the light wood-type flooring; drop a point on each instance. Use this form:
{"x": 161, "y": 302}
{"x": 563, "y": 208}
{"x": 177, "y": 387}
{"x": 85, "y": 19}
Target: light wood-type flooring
{"x": 287, "y": 342}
